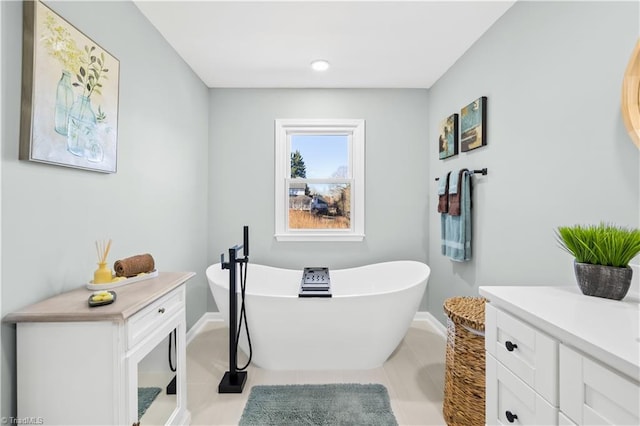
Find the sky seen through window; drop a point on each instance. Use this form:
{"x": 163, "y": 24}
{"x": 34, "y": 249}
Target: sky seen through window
{"x": 323, "y": 155}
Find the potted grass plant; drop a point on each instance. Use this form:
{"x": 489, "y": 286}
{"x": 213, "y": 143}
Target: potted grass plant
{"x": 601, "y": 257}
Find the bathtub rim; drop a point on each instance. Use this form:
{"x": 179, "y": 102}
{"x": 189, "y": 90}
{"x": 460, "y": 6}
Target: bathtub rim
{"x": 424, "y": 280}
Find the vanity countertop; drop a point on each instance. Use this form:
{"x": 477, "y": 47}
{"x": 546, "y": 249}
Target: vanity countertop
{"x": 607, "y": 330}
{"x": 73, "y": 306}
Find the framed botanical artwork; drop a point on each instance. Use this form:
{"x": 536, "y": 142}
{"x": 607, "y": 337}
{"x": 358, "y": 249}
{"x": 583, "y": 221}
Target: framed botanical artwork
{"x": 70, "y": 95}
{"x": 448, "y": 137}
{"x": 473, "y": 125}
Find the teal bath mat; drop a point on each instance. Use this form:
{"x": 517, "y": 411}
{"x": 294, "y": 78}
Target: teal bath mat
{"x": 145, "y": 398}
{"x": 333, "y": 404}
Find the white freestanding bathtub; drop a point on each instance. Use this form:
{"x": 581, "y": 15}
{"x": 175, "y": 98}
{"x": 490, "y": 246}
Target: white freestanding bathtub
{"x": 358, "y": 328}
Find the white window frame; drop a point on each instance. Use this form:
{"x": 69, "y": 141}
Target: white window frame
{"x": 284, "y": 129}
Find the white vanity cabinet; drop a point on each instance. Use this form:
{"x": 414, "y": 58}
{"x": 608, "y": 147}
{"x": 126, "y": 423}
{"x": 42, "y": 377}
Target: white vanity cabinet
{"x": 79, "y": 366}
{"x": 556, "y": 356}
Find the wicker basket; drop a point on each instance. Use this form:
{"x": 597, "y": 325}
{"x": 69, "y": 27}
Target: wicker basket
{"x": 464, "y": 385}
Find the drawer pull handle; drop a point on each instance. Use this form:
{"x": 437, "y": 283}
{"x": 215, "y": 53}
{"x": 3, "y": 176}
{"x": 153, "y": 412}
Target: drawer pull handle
{"x": 510, "y": 346}
{"x": 161, "y": 310}
{"x": 510, "y": 416}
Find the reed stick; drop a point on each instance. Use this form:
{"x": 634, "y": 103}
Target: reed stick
{"x": 103, "y": 250}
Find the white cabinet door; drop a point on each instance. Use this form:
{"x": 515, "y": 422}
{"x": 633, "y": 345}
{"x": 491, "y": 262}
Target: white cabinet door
{"x": 592, "y": 394}
{"x": 564, "y": 420}
{"x": 528, "y": 353}
{"x": 510, "y": 401}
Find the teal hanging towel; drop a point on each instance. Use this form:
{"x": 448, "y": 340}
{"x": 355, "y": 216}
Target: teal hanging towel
{"x": 456, "y": 224}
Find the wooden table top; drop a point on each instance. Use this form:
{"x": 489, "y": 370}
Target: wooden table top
{"x": 72, "y": 306}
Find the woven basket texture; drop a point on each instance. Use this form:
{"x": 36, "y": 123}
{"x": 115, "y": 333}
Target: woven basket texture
{"x": 464, "y": 387}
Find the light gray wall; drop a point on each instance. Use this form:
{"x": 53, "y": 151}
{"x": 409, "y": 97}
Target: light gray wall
{"x": 155, "y": 203}
{"x": 558, "y": 152}
{"x": 241, "y": 176}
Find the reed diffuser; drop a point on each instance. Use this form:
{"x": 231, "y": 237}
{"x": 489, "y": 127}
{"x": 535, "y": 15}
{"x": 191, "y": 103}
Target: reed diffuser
{"x": 102, "y": 275}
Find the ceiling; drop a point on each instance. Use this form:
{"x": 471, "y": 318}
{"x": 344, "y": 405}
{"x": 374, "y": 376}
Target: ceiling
{"x": 369, "y": 44}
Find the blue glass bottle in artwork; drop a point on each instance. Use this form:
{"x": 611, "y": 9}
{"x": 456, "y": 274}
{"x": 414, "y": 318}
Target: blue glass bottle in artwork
{"x": 82, "y": 125}
{"x": 94, "y": 151}
{"x": 64, "y": 101}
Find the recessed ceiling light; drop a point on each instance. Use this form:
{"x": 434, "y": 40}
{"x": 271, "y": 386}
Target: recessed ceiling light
{"x": 320, "y": 65}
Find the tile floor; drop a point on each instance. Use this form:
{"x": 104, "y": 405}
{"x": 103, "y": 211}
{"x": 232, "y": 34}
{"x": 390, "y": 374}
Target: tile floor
{"x": 413, "y": 376}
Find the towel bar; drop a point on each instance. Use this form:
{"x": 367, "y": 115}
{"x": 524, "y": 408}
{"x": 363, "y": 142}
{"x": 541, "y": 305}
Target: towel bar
{"x": 481, "y": 171}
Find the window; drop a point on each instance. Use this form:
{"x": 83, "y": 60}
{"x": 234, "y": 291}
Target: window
{"x": 319, "y": 187}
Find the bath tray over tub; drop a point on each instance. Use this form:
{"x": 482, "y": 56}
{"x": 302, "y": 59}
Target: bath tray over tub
{"x": 315, "y": 282}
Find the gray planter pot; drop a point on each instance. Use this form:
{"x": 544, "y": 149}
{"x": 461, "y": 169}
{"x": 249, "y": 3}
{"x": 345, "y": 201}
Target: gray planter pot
{"x": 609, "y": 282}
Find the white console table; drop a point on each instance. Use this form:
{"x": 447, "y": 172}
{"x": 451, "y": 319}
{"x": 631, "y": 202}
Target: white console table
{"x": 79, "y": 365}
{"x": 555, "y": 356}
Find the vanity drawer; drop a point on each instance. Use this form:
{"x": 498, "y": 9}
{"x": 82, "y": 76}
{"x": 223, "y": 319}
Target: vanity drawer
{"x": 144, "y": 322}
{"x": 592, "y": 394}
{"x": 531, "y": 355}
{"x": 511, "y": 401}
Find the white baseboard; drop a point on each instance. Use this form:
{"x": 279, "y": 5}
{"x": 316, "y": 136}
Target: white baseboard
{"x": 217, "y": 316}
{"x": 204, "y": 319}
{"x": 433, "y": 322}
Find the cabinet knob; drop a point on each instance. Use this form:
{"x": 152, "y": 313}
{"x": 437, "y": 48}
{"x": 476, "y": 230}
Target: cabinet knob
{"x": 510, "y": 346}
{"x": 510, "y": 416}
{"x": 161, "y": 310}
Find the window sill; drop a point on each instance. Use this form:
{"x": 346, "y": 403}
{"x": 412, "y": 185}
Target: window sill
{"x": 330, "y": 237}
